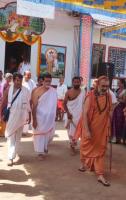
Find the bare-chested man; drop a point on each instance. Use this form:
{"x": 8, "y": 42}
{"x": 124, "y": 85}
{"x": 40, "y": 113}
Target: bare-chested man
{"x": 44, "y": 103}
{"x": 73, "y": 106}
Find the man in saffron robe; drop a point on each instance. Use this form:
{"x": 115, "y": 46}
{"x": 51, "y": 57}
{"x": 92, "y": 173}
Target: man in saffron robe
{"x": 95, "y": 127}
{"x": 44, "y": 103}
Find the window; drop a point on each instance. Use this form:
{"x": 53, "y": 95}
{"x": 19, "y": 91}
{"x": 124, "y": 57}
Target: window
{"x": 117, "y": 56}
{"x": 98, "y": 57}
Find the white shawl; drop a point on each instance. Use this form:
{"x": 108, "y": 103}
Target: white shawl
{"x": 46, "y": 112}
{"x": 19, "y": 110}
{"x": 75, "y": 108}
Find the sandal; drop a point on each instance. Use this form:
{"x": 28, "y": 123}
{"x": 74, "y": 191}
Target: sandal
{"x": 41, "y": 157}
{"x": 82, "y": 169}
{"x": 46, "y": 151}
{"x": 104, "y": 183}
{"x": 10, "y": 163}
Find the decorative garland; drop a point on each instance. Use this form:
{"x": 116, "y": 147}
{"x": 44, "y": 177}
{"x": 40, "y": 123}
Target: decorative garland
{"x": 29, "y": 40}
{"x": 8, "y": 38}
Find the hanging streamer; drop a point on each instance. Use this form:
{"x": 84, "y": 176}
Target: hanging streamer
{"x": 29, "y": 40}
{"x": 117, "y": 32}
{"x": 94, "y": 7}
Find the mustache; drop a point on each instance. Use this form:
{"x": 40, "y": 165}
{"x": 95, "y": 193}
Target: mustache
{"x": 104, "y": 90}
{"x": 76, "y": 86}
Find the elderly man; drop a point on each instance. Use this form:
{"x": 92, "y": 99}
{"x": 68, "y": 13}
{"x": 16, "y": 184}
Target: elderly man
{"x": 95, "y": 129}
{"x": 30, "y": 85}
{"x": 18, "y": 99}
{"x": 44, "y": 103}
{"x": 28, "y": 82}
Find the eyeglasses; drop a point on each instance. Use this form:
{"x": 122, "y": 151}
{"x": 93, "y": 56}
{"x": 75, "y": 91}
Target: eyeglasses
{"x": 105, "y": 86}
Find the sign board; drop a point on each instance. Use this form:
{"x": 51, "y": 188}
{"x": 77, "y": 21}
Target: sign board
{"x": 36, "y": 8}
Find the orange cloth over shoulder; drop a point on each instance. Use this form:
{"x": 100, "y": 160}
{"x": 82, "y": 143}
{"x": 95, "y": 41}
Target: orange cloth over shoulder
{"x": 78, "y": 132}
{"x": 92, "y": 151}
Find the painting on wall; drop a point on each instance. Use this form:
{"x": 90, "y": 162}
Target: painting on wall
{"x": 12, "y": 23}
{"x": 53, "y": 60}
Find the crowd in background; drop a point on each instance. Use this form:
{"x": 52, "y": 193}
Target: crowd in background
{"x": 118, "y": 120}
{"x": 39, "y": 105}
{"x": 119, "y": 96}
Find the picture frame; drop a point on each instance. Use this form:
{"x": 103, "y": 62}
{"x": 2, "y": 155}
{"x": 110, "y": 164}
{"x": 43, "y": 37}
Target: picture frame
{"x": 53, "y": 60}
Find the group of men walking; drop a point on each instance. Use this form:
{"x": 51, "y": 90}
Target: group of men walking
{"x": 88, "y": 118}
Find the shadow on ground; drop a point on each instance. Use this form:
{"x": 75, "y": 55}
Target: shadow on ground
{"x": 57, "y": 178}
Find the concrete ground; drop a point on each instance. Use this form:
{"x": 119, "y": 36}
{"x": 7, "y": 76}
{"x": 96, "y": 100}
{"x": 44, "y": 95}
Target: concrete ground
{"x": 57, "y": 178}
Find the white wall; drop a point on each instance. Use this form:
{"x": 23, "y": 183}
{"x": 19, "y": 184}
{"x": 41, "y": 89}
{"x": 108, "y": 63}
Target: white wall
{"x": 34, "y": 60}
{"x": 107, "y": 41}
{"x": 60, "y": 31}
{"x": 2, "y": 54}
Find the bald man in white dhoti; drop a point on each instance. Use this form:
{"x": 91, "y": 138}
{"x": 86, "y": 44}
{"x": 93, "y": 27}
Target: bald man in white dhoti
{"x": 44, "y": 104}
{"x": 73, "y": 103}
{"x": 28, "y": 82}
{"x": 19, "y": 115}
{"x": 30, "y": 85}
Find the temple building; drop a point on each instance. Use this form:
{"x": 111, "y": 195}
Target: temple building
{"x": 76, "y": 42}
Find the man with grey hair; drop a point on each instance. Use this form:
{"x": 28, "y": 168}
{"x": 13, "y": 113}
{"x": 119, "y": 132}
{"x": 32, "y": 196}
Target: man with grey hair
{"x": 30, "y": 85}
{"x": 28, "y": 82}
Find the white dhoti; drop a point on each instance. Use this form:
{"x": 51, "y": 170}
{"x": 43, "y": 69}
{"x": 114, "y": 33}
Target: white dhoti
{"x": 45, "y": 115}
{"x": 17, "y": 119}
{"x": 13, "y": 143}
{"x": 30, "y": 85}
{"x": 75, "y": 108}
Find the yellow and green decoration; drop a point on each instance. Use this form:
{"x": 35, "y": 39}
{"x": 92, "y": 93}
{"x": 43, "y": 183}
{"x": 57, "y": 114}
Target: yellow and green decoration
{"x": 34, "y": 26}
{"x": 109, "y": 8}
{"x": 112, "y": 8}
{"x": 116, "y": 32}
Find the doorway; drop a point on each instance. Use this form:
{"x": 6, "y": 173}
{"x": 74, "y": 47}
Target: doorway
{"x": 13, "y": 55}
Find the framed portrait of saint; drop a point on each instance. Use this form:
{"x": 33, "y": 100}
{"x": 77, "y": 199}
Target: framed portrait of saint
{"x": 53, "y": 60}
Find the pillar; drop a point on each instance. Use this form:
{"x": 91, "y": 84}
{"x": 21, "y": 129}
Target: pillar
{"x": 86, "y": 31}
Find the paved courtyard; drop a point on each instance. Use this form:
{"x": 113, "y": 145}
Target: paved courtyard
{"x": 57, "y": 178}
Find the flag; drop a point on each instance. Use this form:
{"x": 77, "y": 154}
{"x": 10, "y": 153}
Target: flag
{"x": 36, "y": 8}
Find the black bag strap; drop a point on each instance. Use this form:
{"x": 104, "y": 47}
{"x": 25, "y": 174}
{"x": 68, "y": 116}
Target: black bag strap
{"x": 15, "y": 97}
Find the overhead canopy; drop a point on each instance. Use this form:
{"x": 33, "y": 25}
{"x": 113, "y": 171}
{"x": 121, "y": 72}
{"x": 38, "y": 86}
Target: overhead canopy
{"x": 104, "y": 12}
{"x": 112, "y": 8}
{"x": 118, "y": 31}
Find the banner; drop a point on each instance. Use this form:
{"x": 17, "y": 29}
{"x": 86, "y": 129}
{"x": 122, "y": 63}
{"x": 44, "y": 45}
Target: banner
{"x": 36, "y": 8}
